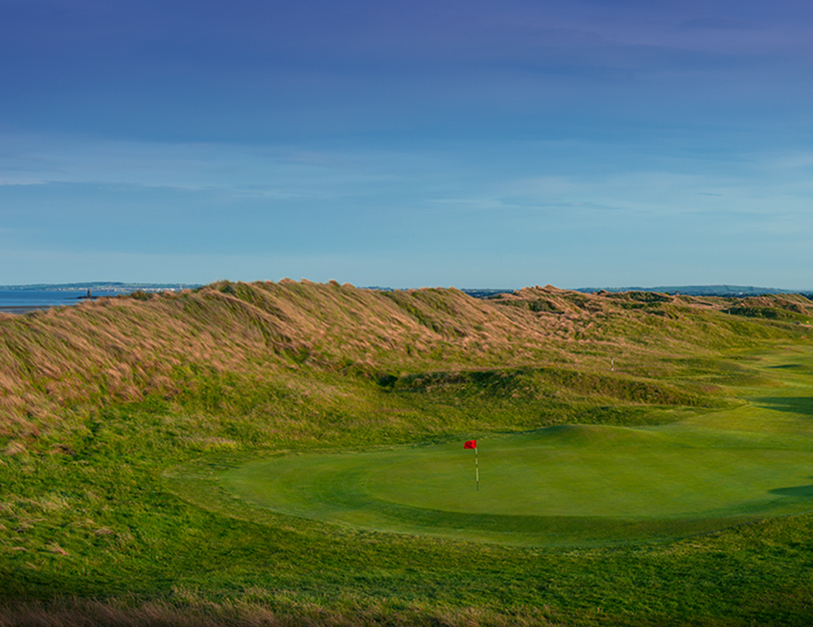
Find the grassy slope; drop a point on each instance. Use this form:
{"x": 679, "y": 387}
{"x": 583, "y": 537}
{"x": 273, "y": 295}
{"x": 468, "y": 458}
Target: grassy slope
{"x": 60, "y": 366}
{"x": 96, "y": 401}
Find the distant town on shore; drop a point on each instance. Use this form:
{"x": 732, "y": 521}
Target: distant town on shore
{"x": 108, "y": 287}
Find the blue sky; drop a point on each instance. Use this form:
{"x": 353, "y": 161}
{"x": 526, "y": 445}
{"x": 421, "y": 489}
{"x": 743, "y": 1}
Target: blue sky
{"x": 405, "y": 144}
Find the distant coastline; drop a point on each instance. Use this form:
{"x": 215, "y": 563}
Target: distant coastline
{"x": 18, "y": 299}
{"x": 702, "y": 290}
{"x": 102, "y": 286}
{"x": 689, "y": 290}
{"x": 25, "y": 298}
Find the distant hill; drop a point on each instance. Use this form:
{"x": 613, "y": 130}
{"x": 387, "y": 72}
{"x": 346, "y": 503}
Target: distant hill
{"x": 689, "y": 290}
{"x": 486, "y": 293}
{"x": 105, "y": 286}
{"x": 699, "y": 290}
{"x": 727, "y": 291}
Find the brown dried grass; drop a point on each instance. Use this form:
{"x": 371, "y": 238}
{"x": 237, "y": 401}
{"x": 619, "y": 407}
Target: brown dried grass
{"x": 122, "y": 349}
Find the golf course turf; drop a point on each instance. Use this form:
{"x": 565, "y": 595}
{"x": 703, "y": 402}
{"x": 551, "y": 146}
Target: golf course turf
{"x": 564, "y": 485}
{"x": 292, "y": 454}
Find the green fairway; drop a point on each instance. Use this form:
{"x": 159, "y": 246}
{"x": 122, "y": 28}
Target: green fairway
{"x": 574, "y": 484}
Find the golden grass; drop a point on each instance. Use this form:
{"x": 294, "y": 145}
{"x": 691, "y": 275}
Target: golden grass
{"x": 69, "y": 360}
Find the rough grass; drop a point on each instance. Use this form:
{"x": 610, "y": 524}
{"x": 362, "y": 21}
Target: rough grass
{"x": 61, "y": 365}
{"x": 189, "y": 611}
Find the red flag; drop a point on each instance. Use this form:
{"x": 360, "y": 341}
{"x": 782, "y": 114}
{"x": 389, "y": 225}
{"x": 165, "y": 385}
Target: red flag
{"x": 470, "y": 444}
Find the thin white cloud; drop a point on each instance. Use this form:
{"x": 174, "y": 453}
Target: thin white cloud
{"x": 272, "y": 171}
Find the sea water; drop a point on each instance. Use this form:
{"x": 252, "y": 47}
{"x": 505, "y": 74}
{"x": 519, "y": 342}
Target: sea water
{"x": 22, "y": 301}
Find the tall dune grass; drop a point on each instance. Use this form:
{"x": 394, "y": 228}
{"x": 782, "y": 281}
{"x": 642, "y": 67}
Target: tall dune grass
{"x": 59, "y": 365}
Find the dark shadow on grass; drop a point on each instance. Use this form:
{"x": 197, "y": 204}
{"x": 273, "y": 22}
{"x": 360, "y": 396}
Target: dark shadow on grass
{"x": 794, "y": 404}
{"x": 799, "y": 490}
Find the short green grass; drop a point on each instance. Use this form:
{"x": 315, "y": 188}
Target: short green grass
{"x": 615, "y": 483}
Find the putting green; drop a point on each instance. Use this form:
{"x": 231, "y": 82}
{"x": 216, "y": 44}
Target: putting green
{"x": 564, "y": 485}
{"x": 556, "y": 486}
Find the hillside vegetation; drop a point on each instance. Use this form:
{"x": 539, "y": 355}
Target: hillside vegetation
{"x": 100, "y": 401}
{"x": 59, "y": 366}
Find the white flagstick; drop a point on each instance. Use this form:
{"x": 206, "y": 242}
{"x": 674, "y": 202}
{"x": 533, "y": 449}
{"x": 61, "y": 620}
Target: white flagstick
{"x": 476, "y": 468}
